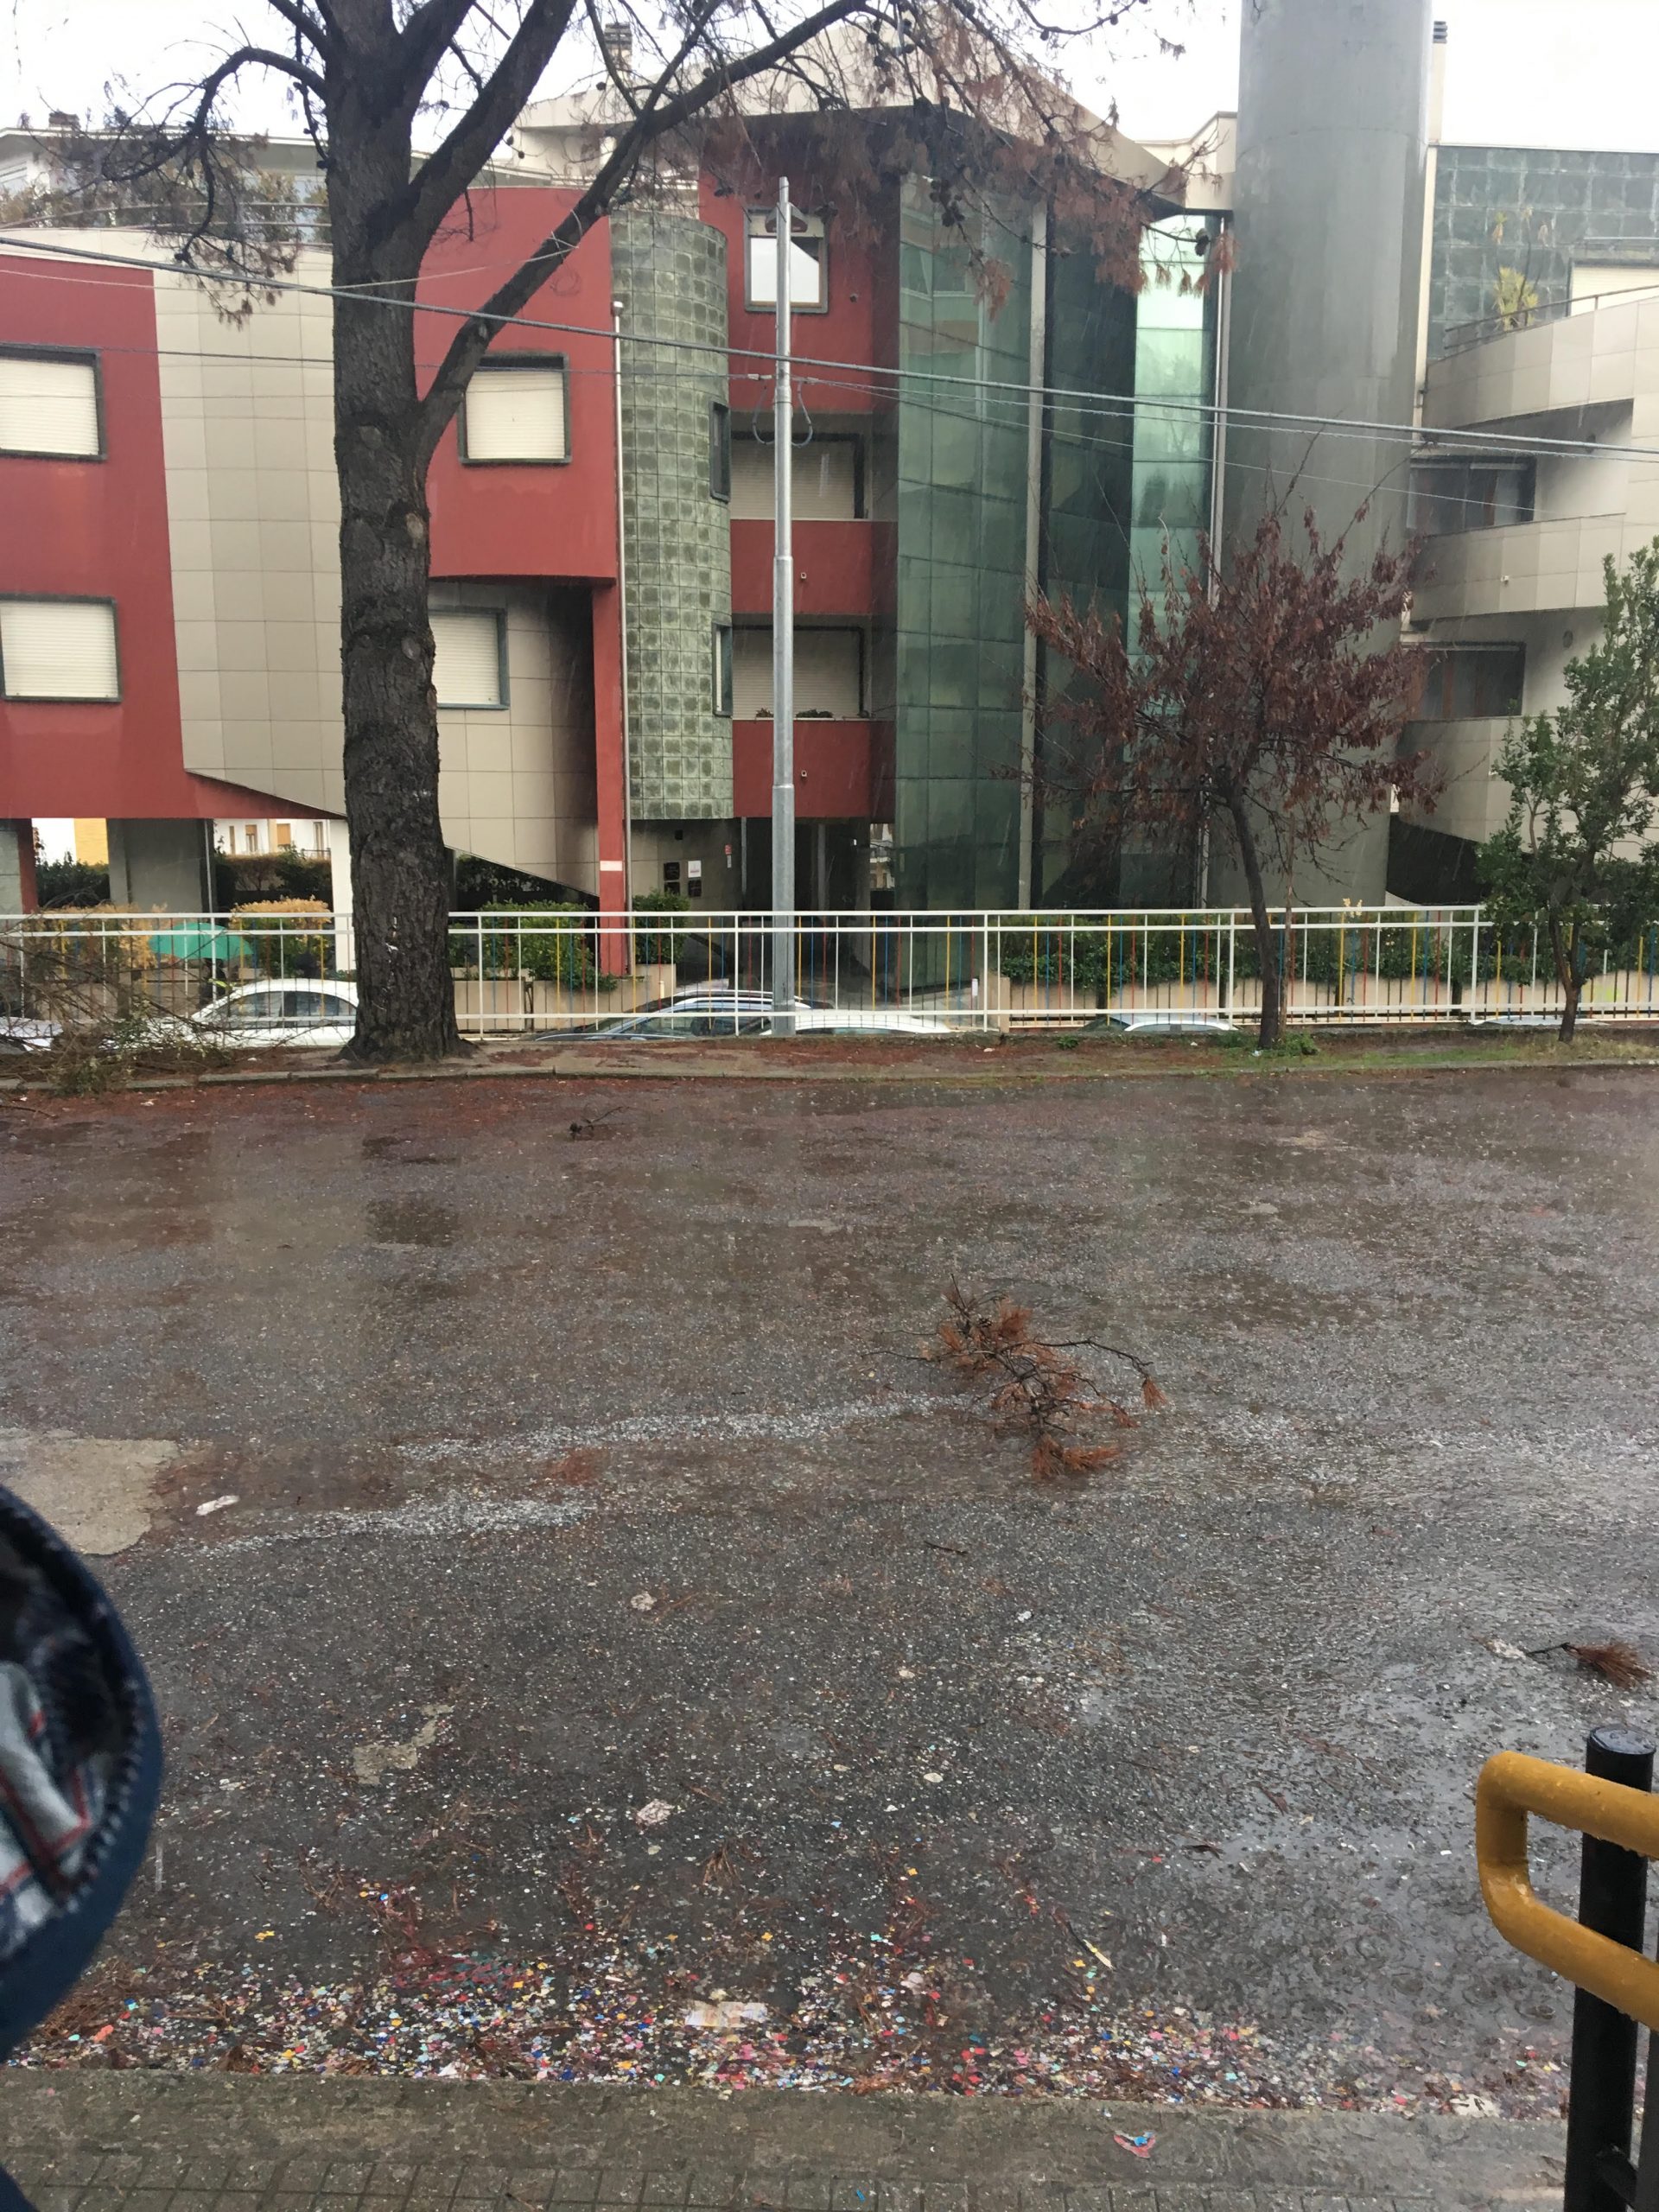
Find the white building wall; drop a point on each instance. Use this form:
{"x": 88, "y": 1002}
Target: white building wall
{"x": 516, "y": 782}
{"x": 253, "y": 521}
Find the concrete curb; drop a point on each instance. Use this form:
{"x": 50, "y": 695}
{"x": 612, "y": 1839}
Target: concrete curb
{"x": 1032, "y": 2146}
{"x": 914, "y": 1072}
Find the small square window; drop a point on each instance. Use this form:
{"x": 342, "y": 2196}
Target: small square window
{"x": 469, "y": 662}
{"x": 516, "y": 409}
{"x": 58, "y": 649}
{"x": 808, "y": 257}
{"x": 722, "y": 668}
{"x": 48, "y": 404}
{"x": 719, "y": 450}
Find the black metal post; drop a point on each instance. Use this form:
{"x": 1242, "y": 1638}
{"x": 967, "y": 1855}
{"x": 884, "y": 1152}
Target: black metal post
{"x": 1612, "y": 1900}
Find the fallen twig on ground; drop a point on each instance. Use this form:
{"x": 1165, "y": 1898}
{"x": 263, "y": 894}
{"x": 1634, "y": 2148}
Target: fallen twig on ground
{"x": 1616, "y": 1660}
{"x": 1038, "y": 1385}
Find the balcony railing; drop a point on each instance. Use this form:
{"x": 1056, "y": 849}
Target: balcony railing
{"x": 1554, "y": 306}
{"x": 835, "y": 769}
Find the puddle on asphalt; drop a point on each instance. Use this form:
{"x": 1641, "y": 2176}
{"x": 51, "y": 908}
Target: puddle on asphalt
{"x": 394, "y": 1149}
{"x": 412, "y": 1221}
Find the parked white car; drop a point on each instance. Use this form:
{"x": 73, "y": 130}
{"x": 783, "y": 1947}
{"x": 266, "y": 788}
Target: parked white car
{"x": 20, "y": 1033}
{"x": 291, "y": 1013}
{"x": 1156, "y": 1022}
{"x": 708, "y": 1011}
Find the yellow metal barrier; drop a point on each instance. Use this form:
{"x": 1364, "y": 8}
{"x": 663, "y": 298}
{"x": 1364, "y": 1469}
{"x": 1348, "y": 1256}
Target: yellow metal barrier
{"x": 1511, "y": 1786}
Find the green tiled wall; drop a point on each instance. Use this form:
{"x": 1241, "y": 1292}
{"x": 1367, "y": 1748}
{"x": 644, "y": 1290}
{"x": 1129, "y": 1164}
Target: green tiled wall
{"x": 670, "y": 274}
{"x": 1571, "y": 197}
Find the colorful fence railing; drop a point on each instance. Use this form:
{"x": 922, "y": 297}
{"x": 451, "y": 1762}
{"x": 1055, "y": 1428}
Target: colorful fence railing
{"x": 520, "y": 971}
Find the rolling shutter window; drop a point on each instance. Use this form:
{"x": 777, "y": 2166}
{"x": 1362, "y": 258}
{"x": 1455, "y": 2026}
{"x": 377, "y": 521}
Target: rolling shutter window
{"x": 58, "y": 649}
{"x": 47, "y": 405}
{"x": 467, "y": 669}
{"x": 516, "y": 414}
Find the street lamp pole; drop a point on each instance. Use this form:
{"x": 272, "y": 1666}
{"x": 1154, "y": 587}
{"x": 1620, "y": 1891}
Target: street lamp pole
{"x": 783, "y": 656}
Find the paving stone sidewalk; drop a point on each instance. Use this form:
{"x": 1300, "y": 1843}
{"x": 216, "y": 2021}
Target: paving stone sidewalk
{"x": 119, "y": 2142}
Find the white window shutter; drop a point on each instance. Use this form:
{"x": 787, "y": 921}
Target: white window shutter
{"x": 466, "y": 668}
{"x": 58, "y": 649}
{"x": 47, "y": 405}
{"x": 516, "y": 414}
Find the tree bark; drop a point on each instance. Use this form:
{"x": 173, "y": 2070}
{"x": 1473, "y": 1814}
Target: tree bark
{"x": 1566, "y": 974}
{"x": 1272, "y": 1029}
{"x": 400, "y": 866}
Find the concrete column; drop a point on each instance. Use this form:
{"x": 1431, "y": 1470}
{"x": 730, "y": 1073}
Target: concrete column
{"x": 162, "y": 866}
{"x": 17, "y": 891}
{"x": 611, "y": 775}
{"x": 340, "y": 897}
{"x": 1332, "y": 126}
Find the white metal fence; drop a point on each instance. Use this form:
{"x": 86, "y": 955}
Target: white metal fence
{"x": 248, "y": 978}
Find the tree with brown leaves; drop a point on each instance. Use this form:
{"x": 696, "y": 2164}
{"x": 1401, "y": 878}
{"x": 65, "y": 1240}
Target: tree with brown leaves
{"x": 967, "y": 98}
{"x": 1262, "y": 693}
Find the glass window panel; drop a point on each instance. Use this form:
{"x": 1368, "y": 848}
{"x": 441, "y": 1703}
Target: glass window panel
{"x": 48, "y": 405}
{"x": 467, "y": 668}
{"x": 516, "y": 411}
{"x": 58, "y": 649}
{"x": 807, "y": 259}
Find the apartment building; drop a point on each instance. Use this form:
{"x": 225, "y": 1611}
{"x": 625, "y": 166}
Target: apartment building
{"x": 169, "y": 651}
{"x": 601, "y": 542}
{"x": 601, "y": 510}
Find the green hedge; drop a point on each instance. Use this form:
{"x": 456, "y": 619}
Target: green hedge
{"x": 657, "y": 948}
{"x": 1056, "y": 954}
{"x": 561, "y": 954}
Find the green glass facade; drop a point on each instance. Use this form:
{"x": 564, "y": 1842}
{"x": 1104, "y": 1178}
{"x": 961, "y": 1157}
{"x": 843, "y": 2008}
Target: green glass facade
{"x": 1175, "y": 363}
{"x": 1532, "y": 210}
{"x": 1173, "y": 464}
{"x": 962, "y": 519}
{"x": 960, "y": 537}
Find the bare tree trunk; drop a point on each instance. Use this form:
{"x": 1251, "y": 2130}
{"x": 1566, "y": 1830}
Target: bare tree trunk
{"x": 1272, "y": 1029}
{"x": 400, "y": 867}
{"x": 1566, "y": 974}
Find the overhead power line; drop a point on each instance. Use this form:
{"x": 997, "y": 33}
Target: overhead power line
{"x": 1098, "y": 402}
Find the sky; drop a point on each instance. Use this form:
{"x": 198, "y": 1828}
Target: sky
{"x": 1530, "y": 72}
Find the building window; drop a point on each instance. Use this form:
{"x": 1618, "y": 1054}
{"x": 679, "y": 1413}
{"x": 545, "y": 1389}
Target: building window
{"x": 826, "y": 477}
{"x": 251, "y": 832}
{"x": 1472, "y": 682}
{"x": 809, "y": 289}
{"x": 719, "y": 450}
{"x": 469, "y": 666}
{"x": 282, "y": 836}
{"x": 516, "y": 407}
{"x": 49, "y": 404}
{"x": 1452, "y": 495}
{"x": 829, "y": 674}
{"x": 722, "y": 668}
{"x": 58, "y": 649}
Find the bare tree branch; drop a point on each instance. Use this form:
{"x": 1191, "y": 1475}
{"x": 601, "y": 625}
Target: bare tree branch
{"x": 471, "y": 342}
{"x": 315, "y": 31}
{"x": 247, "y": 57}
{"x": 447, "y": 172}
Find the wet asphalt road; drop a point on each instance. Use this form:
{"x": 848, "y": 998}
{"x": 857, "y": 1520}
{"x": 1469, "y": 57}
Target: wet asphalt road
{"x": 475, "y": 1387}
